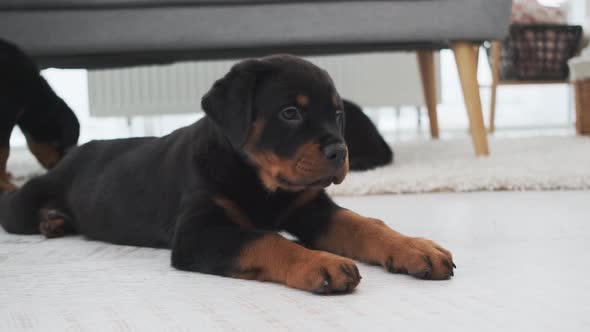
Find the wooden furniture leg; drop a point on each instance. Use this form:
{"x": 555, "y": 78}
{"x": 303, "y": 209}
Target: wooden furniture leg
{"x": 466, "y": 60}
{"x": 495, "y": 79}
{"x": 427, "y": 71}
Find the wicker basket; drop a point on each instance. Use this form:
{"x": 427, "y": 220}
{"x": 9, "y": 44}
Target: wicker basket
{"x": 538, "y": 52}
{"x": 582, "y": 106}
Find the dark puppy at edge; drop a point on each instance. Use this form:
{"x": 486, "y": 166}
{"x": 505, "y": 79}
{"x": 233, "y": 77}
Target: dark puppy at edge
{"x": 216, "y": 192}
{"x": 27, "y": 100}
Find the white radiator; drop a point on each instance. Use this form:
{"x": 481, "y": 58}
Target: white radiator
{"x": 373, "y": 80}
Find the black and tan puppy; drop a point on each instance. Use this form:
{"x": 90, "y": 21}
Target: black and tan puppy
{"x": 216, "y": 192}
{"x": 27, "y": 100}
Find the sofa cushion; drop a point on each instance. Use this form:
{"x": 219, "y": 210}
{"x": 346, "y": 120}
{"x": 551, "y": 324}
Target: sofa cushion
{"x": 85, "y": 4}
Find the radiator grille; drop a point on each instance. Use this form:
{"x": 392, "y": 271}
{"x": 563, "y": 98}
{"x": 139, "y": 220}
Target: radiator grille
{"x": 380, "y": 79}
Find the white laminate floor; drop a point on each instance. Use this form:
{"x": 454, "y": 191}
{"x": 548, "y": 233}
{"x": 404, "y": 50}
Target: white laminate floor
{"x": 523, "y": 265}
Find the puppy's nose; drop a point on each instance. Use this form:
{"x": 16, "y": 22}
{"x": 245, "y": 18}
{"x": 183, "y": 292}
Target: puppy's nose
{"x": 335, "y": 153}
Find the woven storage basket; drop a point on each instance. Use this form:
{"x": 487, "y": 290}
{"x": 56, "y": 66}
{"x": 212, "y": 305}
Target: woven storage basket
{"x": 538, "y": 52}
{"x": 582, "y": 106}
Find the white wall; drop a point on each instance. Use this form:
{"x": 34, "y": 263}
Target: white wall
{"x": 578, "y": 10}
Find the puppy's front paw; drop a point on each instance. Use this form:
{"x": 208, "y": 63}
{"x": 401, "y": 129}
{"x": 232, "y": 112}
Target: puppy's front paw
{"x": 324, "y": 273}
{"x": 420, "y": 258}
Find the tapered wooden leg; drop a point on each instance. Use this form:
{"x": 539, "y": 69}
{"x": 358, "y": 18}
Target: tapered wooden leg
{"x": 492, "y": 125}
{"x": 495, "y": 78}
{"x": 427, "y": 71}
{"x": 467, "y": 67}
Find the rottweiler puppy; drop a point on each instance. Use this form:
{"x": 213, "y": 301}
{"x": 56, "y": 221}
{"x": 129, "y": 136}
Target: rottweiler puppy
{"x": 216, "y": 192}
{"x": 366, "y": 147}
{"x": 27, "y": 100}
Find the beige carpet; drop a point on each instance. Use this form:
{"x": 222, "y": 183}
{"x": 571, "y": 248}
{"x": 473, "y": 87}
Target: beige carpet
{"x": 538, "y": 163}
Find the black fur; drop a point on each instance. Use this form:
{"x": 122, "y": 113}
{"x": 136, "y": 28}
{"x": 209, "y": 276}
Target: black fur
{"x": 161, "y": 192}
{"x": 158, "y": 192}
{"x": 27, "y": 100}
{"x": 366, "y": 147}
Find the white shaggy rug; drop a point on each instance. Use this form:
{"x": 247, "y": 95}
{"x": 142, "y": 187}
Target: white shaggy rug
{"x": 537, "y": 163}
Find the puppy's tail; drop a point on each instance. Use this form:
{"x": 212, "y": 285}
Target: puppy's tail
{"x": 19, "y": 209}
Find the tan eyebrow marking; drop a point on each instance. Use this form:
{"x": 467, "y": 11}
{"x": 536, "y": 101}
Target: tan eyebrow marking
{"x": 302, "y": 100}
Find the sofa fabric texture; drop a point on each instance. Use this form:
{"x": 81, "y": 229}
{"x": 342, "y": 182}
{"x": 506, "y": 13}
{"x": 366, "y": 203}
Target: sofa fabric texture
{"x": 164, "y": 31}
{"x": 81, "y": 4}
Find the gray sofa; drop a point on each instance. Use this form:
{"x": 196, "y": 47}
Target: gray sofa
{"x": 109, "y": 33}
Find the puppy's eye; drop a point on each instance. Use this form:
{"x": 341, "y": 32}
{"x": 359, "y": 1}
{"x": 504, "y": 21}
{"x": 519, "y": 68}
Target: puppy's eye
{"x": 291, "y": 114}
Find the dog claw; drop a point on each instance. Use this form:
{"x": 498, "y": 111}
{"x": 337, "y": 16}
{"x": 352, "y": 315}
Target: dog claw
{"x": 358, "y": 274}
{"x": 325, "y": 287}
{"x": 449, "y": 267}
{"x": 345, "y": 270}
{"x": 349, "y": 277}
{"x": 428, "y": 262}
{"x": 427, "y": 272}
{"x": 389, "y": 265}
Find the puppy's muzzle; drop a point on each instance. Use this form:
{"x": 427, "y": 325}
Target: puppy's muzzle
{"x": 336, "y": 158}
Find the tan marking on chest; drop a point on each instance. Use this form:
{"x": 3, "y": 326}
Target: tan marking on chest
{"x": 299, "y": 202}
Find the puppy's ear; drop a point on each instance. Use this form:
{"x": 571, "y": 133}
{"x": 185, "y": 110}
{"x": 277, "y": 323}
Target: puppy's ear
{"x": 229, "y": 102}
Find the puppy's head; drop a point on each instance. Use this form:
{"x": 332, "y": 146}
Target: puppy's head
{"x": 285, "y": 116}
